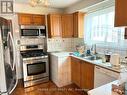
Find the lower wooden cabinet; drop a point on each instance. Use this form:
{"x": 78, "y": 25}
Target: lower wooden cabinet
{"x": 75, "y": 71}
{"x": 82, "y": 73}
{"x": 87, "y": 75}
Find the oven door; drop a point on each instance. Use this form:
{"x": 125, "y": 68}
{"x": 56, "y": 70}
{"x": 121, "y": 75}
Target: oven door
{"x": 35, "y": 69}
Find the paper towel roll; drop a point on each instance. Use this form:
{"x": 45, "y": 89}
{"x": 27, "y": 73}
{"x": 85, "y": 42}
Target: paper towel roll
{"x": 115, "y": 59}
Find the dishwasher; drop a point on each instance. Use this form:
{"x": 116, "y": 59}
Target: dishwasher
{"x": 103, "y": 76}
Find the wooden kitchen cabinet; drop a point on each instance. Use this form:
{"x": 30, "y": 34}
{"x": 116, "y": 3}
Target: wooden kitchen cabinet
{"x": 78, "y": 27}
{"x": 82, "y": 73}
{"x": 120, "y": 13}
{"x": 31, "y": 19}
{"x": 87, "y": 75}
{"x": 24, "y": 19}
{"x": 39, "y": 19}
{"x": 75, "y": 71}
{"x": 67, "y": 26}
{"x": 54, "y": 25}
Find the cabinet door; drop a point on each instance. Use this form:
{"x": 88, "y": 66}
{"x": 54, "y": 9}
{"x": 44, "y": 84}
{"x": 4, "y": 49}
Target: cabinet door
{"x": 120, "y": 13}
{"x": 38, "y": 19}
{"x": 87, "y": 75}
{"x": 78, "y": 19}
{"x": 25, "y": 19}
{"x": 67, "y": 26}
{"x": 75, "y": 71}
{"x": 54, "y": 25}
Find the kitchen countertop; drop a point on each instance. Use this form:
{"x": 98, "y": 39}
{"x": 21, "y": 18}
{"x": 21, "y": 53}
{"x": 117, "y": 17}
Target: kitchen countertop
{"x": 61, "y": 54}
{"x": 107, "y": 65}
{"x": 103, "y": 90}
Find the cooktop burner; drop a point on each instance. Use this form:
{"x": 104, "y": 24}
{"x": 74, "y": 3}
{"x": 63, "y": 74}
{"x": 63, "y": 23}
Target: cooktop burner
{"x": 33, "y": 53}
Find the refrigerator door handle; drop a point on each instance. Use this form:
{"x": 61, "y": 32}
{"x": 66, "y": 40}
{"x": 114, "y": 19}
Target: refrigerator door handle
{"x": 10, "y": 38}
{"x": 14, "y": 60}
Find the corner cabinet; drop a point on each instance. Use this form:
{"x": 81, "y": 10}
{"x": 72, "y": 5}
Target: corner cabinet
{"x": 120, "y": 13}
{"x": 78, "y": 19}
{"x": 82, "y": 73}
{"x": 54, "y": 25}
{"x": 31, "y": 19}
{"x": 67, "y": 26}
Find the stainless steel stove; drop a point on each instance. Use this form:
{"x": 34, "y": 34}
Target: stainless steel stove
{"x": 35, "y": 64}
{"x": 33, "y": 54}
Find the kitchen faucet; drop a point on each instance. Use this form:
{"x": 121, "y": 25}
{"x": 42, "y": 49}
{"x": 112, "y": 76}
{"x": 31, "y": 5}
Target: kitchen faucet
{"x": 93, "y": 49}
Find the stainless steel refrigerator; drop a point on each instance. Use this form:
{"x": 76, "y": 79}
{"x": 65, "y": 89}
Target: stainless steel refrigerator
{"x": 8, "y": 72}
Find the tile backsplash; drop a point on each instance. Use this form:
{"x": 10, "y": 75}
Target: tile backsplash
{"x": 55, "y": 44}
{"x": 63, "y": 44}
{"x": 122, "y": 52}
{"x": 31, "y": 41}
{"x": 69, "y": 44}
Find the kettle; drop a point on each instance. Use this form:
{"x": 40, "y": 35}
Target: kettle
{"x": 115, "y": 59}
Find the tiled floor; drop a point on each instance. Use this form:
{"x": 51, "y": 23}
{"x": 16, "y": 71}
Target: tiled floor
{"x": 48, "y": 88}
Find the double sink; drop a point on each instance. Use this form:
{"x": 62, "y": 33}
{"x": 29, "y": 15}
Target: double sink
{"x": 96, "y": 59}
{"x": 91, "y": 57}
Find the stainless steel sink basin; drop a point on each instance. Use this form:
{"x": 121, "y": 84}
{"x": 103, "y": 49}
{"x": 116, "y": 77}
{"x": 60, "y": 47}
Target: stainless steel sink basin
{"x": 92, "y": 58}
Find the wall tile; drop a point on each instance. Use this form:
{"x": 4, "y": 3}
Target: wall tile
{"x": 63, "y": 44}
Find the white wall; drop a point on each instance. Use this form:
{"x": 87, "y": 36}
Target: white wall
{"x": 81, "y": 5}
{"x": 26, "y": 8}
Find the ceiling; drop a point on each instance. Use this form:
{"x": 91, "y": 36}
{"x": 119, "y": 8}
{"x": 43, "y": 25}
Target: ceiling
{"x": 55, "y": 3}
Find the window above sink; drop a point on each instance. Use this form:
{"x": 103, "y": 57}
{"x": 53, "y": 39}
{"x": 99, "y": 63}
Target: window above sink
{"x": 99, "y": 28}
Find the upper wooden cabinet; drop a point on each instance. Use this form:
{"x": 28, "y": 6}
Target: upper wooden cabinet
{"x": 120, "y": 13}
{"x": 78, "y": 19}
{"x": 54, "y": 25}
{"x": 31, "y": 19}
{"x": 67, "y": 25}
{"x": 39, "y": 19}
{"x": 60, "y": 25}
{"x": 24, "y": 19}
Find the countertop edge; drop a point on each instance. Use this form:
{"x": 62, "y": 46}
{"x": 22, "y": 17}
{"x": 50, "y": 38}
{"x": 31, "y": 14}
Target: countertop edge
{"x": 95, "y": 63}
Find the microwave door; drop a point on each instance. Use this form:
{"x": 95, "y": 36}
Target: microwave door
{"x": 29, "y": 32}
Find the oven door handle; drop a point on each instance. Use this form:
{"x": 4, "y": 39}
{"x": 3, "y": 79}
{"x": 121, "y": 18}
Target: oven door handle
{"x": 35, "y": 62}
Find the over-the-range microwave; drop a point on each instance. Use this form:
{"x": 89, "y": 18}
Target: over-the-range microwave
{"x": 32, "y": 31}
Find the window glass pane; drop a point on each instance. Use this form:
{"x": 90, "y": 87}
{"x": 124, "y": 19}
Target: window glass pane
{"x": 99, "y": 27}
